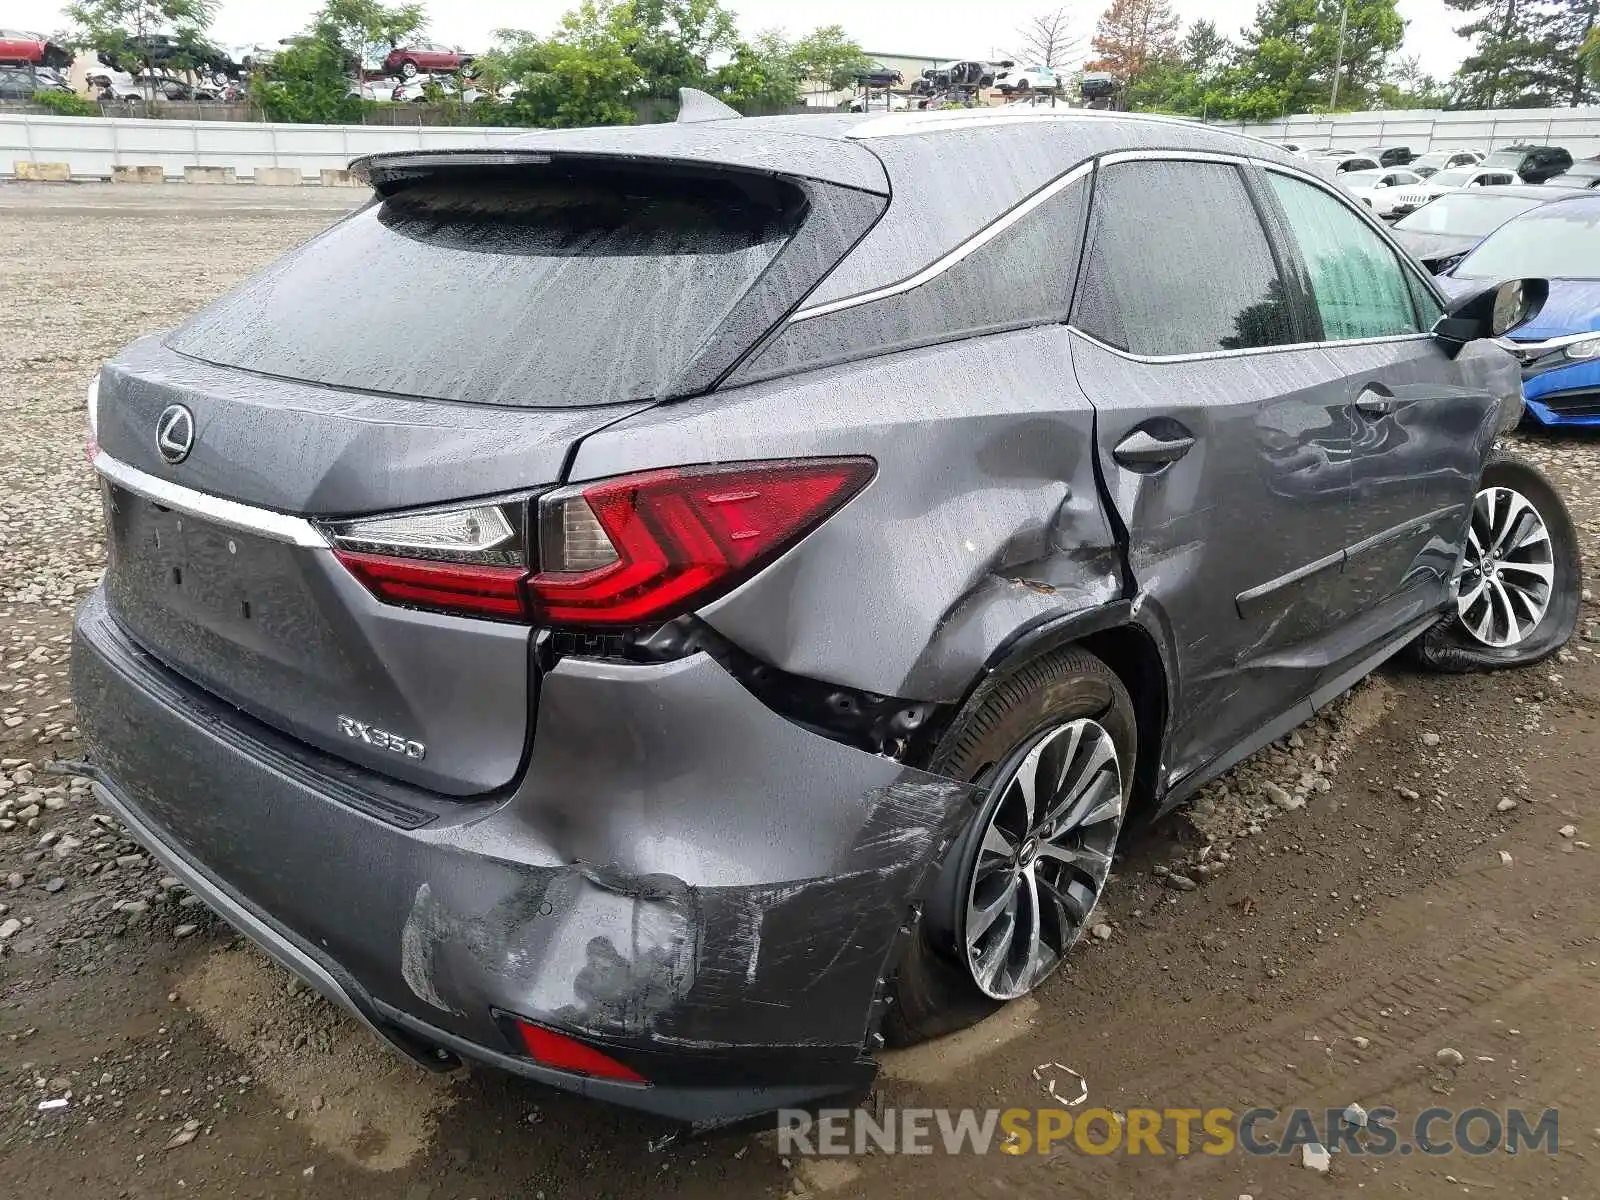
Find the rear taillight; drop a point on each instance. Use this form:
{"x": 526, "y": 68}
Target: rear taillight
{"x": 562, "y": 1053}
{"x": 642, "y": 548}
{"x": 471, "y": 561}
{"x": 633, "y": 550}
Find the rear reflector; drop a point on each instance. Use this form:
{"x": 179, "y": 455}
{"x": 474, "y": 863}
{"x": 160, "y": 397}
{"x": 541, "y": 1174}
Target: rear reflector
{"x": 561, "y": 1053}
{"x": 642, "y": 548}
{"x": 462, "y": 588}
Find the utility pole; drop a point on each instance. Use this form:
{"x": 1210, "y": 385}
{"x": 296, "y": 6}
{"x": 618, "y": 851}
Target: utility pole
{"x": 1338, "y": 59}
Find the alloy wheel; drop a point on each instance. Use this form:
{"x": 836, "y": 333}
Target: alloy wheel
{"x": 1044, "y": 857}
{"x": 1507, "y": 571}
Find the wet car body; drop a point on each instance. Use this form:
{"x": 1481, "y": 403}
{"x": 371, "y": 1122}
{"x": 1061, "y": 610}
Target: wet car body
{"x": 694, "y": 845}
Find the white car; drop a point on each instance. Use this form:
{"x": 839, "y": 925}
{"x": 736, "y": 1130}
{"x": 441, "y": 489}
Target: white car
{"x": 880, "y": 102}
{"x": 1435, "y": 161}
{"x": 117, "y": 86}
{"x": 1409, "y": 199}
{"x": 1027, "y": 79}
{"x": 1377, "y": 189}
{"x": 416, "y": 88}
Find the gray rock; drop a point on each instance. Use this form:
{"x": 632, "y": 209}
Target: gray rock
{"x": 1568, "y": 831}
{"x": 1102, "y": 931}
{"x": 130, "y": 862}
{"x": 1431, "y": 739}
{"x": 1315, "y": 1158}
{"x": 1281, "y": 797}
{"x": 1180, "y": 883}
{"x": 183, "y": 931}
{"x": 55, "y": 885}
{"x": 9, "y": 927}
{"x": 1506, "y": 804}
{"x": 1355, "y": 1115}
{"x": 1450, "y": 1057}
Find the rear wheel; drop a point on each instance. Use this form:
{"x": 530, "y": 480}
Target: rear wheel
{"x": 1053, "y": 744}
{"x": 1520, "y": 584}
{"x": 408, "y": 68}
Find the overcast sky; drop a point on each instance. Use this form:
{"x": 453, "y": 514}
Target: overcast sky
{"x": 952, "y": 28}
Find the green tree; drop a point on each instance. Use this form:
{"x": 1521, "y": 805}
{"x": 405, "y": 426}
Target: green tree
{"x": 308, "y": 83}
{"x": 762, "y": 76}
{"x": 1286, "y": 63}
{"x": 581, "y": 76}
{"x": 674, "y": 40}
{"x": 1515, "y": 60}
{"x": 1409, "y": 86}
{"x": 829, "y": 57}
{"x": 1589, "y": 53}
{"x": 122, "y": 29}
{"x": 1573, "y": 25}
{"x": 1190, "y": 82}
{"x": 366, "y": 29}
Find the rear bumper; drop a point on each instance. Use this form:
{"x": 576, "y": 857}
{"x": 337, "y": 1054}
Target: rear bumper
{"x": 688, "y": 882}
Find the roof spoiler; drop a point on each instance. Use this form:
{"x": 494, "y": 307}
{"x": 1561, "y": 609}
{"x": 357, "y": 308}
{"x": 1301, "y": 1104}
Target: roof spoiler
{"x": 695, "y": 106}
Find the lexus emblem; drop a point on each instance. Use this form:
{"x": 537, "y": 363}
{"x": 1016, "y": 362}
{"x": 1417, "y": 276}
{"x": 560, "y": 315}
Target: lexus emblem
{"x": 175, "y": 433}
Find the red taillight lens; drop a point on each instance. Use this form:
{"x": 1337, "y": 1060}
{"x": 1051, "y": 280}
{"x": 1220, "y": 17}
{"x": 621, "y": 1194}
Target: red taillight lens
{"x": 648, "y": 546}
{"x": 462, "y": 588}
{"x": 561, "y": 1053}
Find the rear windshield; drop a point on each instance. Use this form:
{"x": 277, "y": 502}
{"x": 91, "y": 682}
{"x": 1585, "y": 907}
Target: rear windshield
{"x": 496, "y": 288}
{"x": 1471, "y": 213}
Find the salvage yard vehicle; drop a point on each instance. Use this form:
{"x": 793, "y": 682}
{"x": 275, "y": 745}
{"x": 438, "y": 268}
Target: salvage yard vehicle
{"x": 653, "y": 668}
{"x": 1441, "y": 232}
{"x": 1376, "y": 189}
{"x": 1560, "y": 349}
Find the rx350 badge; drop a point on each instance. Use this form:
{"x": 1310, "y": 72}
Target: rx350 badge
{"x": 381, "y": 738}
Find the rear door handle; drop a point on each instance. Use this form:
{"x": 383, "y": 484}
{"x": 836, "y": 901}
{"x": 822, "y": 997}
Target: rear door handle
{"x": 1373, "y": 403}
{"x": 1141, "y": 449}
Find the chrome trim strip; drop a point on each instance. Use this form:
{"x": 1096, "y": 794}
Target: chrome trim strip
{"x": 1528, "y": 350}
{"x": 280, "y": 527}
{"x": 1204, "y": 355}
{"x": 1212, "y": 156}
{"x": 940, "y": 265}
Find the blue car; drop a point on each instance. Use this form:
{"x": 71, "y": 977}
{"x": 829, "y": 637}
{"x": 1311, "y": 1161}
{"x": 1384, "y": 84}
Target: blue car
{"x": 1560, "y": 348}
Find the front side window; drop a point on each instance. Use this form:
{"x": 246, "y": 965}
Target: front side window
{"x": 1178, "y": 263}
{"x": 1359, "y": 284}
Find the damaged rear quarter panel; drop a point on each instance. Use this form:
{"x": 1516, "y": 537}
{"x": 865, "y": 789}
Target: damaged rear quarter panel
{"x": 984, "y": 515}
{"x": 727, "y": 874}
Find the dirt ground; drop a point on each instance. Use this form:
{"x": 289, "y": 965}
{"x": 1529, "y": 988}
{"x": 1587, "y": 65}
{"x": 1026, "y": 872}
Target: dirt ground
{"x": 1435, "y": 890}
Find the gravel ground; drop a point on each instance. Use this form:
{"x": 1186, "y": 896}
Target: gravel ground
{"x": 1322, "y": 893}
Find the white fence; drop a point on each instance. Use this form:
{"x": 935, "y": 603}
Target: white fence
{"x": 1578, "y": 129}
{"x": 93, "y": 145}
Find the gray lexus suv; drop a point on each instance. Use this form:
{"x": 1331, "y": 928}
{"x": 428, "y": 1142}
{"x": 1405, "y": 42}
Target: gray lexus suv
{"x": 729, "y": 626}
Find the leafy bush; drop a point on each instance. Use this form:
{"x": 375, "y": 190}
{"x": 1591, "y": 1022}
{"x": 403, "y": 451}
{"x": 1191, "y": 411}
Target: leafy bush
{"x": 66, "y": 104}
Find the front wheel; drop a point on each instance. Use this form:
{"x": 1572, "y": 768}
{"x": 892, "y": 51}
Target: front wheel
{"x": 1520, "y": 584}
{"x": 408, "y": 69}
{"x": 1052, "y": 744}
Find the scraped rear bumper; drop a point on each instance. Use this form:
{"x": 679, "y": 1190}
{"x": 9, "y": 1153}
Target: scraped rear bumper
{"x": 690, "y": 883}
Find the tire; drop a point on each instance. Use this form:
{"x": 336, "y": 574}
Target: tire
{"x": 408, "y": 68}
{"x": 1024, "y": 712}
{"x": 1513, "y": 589}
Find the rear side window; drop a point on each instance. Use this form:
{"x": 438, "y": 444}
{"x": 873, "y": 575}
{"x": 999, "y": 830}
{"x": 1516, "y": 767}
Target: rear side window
{"x": 1178, "y": 263}
{"x": 1359, "y": 284}
{"x": 508, "y": 289}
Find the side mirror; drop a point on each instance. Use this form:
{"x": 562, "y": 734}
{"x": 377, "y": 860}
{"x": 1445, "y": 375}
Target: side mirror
{"x": 1491, "y": 311}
